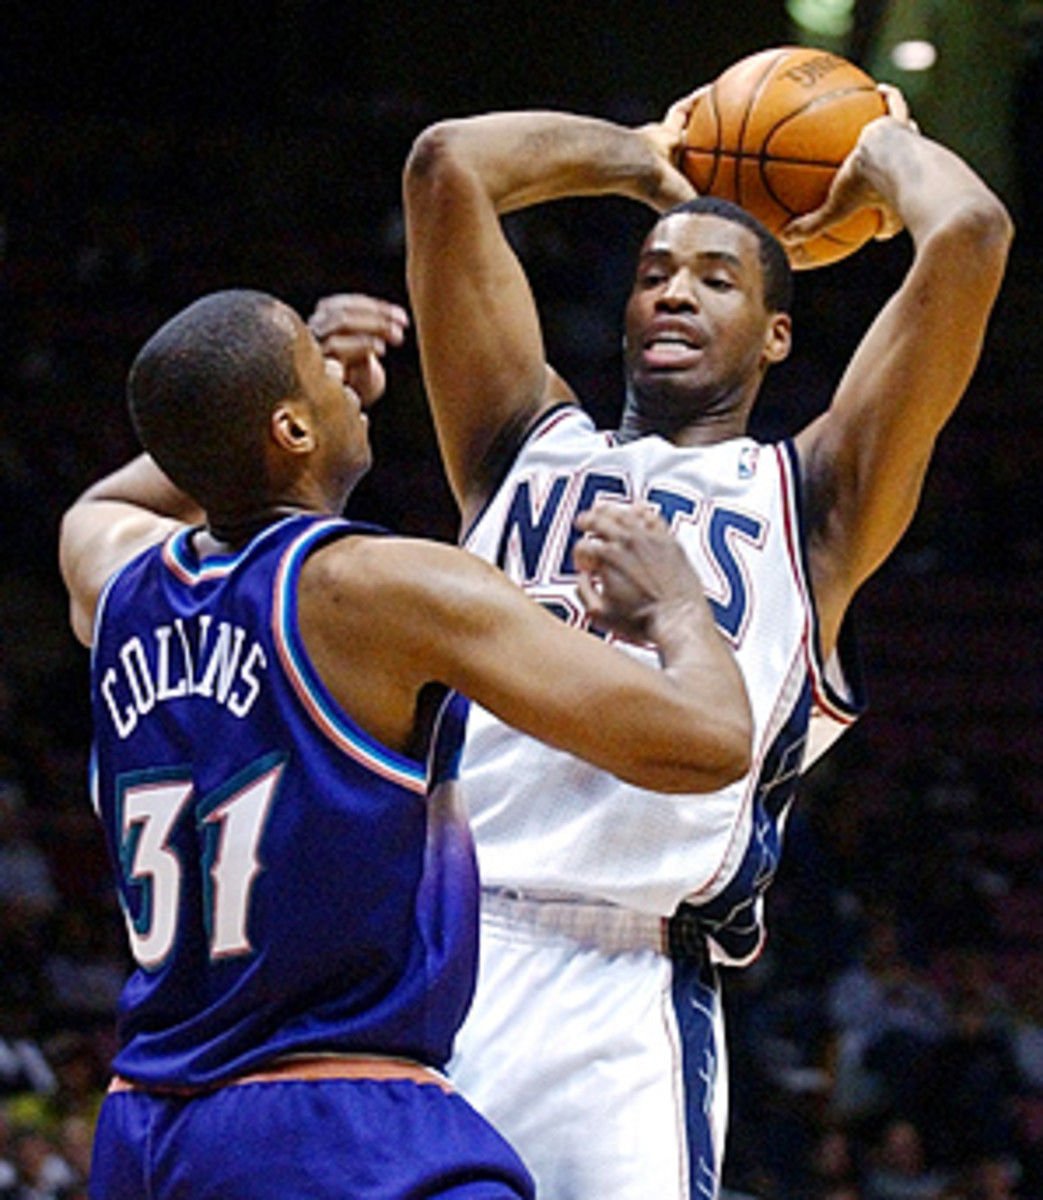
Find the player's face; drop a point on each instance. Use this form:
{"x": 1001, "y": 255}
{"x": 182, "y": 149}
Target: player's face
{"x": 342, "y": 429}
{"x": 698, "y": 334}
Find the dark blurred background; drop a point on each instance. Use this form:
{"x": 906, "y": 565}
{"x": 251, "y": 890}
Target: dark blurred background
{"x": 889, "y": 1043}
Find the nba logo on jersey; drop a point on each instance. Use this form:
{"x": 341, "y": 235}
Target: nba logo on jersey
{"x": 748, "y": 461}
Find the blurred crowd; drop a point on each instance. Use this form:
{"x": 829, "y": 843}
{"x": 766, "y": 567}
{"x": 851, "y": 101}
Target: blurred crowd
{"x": 888, "y": 1044}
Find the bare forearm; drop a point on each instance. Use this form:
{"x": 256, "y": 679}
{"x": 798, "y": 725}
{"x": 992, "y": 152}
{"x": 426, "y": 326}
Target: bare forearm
{"x": 141, "y": 483}
{"x": 526, "y": 158}
{"x": 636, "y": 581}
{"x": 116, "y": 518}
{"x": 700, "y": 665}
{"x": 930, "y": 188}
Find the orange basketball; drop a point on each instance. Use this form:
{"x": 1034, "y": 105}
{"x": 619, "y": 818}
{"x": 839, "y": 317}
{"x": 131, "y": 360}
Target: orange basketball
{"x": 769, "y": 134}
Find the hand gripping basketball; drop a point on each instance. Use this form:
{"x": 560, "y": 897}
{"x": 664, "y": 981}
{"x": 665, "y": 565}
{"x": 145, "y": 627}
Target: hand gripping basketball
{"x": 770, "y": 134}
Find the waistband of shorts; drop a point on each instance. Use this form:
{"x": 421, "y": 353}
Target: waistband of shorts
{"x": 308, "y": 1068}
{"x": 595, "y": 924}
{"x": 604, "y": 927}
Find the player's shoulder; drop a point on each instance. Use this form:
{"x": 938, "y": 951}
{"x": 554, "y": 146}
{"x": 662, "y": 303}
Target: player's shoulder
{"x": 357, "y": 566}
{"x": 370, "y": 588}
{"x": 96, "y": 543}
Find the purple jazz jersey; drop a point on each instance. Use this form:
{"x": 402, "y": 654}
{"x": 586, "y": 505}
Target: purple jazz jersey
{"x": 289, "y": 884}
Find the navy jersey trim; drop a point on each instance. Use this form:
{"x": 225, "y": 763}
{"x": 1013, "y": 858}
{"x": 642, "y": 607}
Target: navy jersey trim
{"x": 846, "y": 708}
{"x": 695, "y": 995}
{"x": 534, "y": 431}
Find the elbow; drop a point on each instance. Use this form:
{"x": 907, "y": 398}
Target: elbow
{"x": 737, "y": 754}
{"x": 714, "y": 757}
{"x": 433, "y": 164}
{"x": 978, "y": 231}
{"x": 731, "y": 755}
{"x": 719, "y": 749}
{"x": 991, "y": 226}
{"x": 66, "y": 542}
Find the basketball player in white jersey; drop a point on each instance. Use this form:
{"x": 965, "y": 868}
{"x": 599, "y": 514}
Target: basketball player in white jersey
{"x": 595, "y": 1039}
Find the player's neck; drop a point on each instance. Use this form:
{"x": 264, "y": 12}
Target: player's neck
{"x": 225, "y": 532}
{"x": 705, "y": 430}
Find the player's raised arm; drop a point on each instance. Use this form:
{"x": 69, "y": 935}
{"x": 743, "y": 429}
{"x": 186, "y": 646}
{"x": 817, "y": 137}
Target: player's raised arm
{"x": 114, "y": 520}
{"x": 416, "y": 611}
{"x": 478, "y": 328}
{"x": 865, "y": 459}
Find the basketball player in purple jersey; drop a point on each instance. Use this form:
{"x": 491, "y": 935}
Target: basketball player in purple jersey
{"x": 593, "y": 1043}
{"x": 277, "y": 700}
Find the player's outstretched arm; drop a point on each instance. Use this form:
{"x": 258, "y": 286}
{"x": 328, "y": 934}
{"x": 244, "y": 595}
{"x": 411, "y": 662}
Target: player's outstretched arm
{"x": 864, "y": 461}
{"x": 414, "y": 612}
{"x": 114, "y": 520}
{"x": 478, "y": 329}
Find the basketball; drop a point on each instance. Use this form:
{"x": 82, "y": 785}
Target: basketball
{"x": 769, "y": 134}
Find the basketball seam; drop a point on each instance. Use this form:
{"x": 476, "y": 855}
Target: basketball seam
{"x": 755, "y": 95}
{"x": 759, "y": 166}
{"x": 764, "y": 156}
{"x": 717, "y": 152}
{"x": 806, "y": 107}
{"x": 779, "y": 159}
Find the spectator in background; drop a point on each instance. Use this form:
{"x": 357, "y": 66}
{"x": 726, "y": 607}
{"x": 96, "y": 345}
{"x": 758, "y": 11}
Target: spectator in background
{"x": 1027, "y": 1028}
{"x": 23, "y": 1065}
{"x": 42, "y": 1172}
{"x": 834, "y": 1166}
{"x": 970, "y": 1085}
{"x": 898, "y": 1169}
{"x": 75, "y": 1142}
{"x": 8, "y": 1171}
{"x": 28, "y": 895}
{"x": 886, "y": 1014}
{"x": 78, "y": 1088}
{"x": 85, "y": 967}
{"x": 993, "y": 1179}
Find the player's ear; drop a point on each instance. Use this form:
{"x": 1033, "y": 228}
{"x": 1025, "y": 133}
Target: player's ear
{"x": 779, "y": 338}
{"x": 291, "y": 428}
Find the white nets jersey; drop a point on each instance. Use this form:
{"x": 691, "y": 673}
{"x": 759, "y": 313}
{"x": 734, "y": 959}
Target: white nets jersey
{"x": 548, "y": 823}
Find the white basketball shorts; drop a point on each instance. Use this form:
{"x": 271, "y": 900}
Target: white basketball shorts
{"x": 598, "y": 1055}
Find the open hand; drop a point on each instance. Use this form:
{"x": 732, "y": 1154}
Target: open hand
{"x": 356, "y": 330}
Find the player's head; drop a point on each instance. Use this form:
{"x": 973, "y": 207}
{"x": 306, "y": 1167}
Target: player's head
{"x": 707, "y": 314}
{"x": 235, "y": 401}
{"x": 775, "y": 264}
